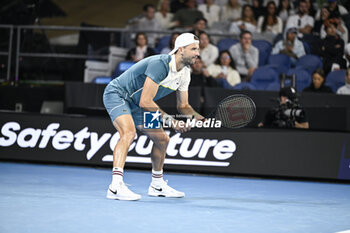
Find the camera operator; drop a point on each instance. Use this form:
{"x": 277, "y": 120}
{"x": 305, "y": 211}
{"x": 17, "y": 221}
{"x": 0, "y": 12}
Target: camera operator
{"x": 289, "y": 113}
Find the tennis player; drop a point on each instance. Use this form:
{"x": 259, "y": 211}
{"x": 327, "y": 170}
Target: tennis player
{"x": 135, "y": 91}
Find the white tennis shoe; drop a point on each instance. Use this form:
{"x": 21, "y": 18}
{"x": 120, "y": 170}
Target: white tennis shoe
{"x": 122, "y": 192}
{"x": 163, "y": 190}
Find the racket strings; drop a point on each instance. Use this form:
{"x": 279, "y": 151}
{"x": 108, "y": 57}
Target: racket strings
{"x": 236, "y": 112}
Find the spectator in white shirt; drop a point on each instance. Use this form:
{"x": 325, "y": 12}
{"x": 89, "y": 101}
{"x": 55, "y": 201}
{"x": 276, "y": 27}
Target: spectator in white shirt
{"x": 345, "y": 90}
{"x": 231, "y": 12}
{"x": 285, "y": 9}
{"x": 163, "y": 15}
{"x": 208, "y": 52}
{"x": 210, "y": 11}
{"x": 270, "y": 22}
{"x": 302, "y": 20}
{"x": 247, "y": 21}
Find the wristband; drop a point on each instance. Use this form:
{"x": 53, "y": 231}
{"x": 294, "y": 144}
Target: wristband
{"x": 167, "y": 119}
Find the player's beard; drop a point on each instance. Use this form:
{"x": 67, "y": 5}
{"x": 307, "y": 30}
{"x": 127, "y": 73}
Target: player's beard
{"x": 189, "y": 60}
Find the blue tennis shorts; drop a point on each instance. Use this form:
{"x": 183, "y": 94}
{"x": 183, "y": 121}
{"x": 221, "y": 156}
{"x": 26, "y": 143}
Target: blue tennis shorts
{"x": 117, "y": 103}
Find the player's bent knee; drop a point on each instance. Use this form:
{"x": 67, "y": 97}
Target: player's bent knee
{"x": 128, "y": 136}
{"x": 163, "y": 139}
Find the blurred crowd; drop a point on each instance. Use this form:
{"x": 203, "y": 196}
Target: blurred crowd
{"x": 293, "y": 28}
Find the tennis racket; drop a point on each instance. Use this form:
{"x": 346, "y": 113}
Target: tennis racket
{"x": 234, "y": 111}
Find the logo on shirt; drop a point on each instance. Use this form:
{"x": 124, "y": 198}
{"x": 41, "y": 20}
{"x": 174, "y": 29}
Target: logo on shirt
{"x": 151, "y": 120}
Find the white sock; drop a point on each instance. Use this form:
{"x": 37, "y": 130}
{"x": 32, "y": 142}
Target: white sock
{"x": 157, "y": 177}
{"x": 117, "y": 175}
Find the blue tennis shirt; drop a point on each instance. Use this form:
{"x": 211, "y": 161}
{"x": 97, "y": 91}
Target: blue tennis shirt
{"x": 161, "y": 69}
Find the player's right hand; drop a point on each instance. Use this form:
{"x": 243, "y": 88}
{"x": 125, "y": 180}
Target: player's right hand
{"x": 180, "y": 126}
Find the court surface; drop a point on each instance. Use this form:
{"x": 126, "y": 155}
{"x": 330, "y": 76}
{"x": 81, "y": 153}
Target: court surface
{"x": 52, "y": 198}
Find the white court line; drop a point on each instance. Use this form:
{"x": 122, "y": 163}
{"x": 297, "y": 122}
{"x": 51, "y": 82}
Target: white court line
{"x": 133, "y": 159}
{"x": 346, "y": 231}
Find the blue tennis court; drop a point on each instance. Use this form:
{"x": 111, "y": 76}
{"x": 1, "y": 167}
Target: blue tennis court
{"x": 52, "y": 198}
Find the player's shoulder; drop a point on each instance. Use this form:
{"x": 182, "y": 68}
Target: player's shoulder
{"x": 161, "y": 58}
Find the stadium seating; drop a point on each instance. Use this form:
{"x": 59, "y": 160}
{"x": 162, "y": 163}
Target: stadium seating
{"x": 162, "y": 43}
{"x": 309, "y": 62}
{"x": 263, "y": 76}
{"x": 102, "y": 80}
{"x": 275, "y": 86}
{"x": 281, "y": 61}
{"x": 303, "y": 78}
{"x": 226, "y": 43}
{"x": 336, "y": 79}
{"x": 264, "y": 48}
{"x": 122, "y": 66}
{"x": 244, "y": 86}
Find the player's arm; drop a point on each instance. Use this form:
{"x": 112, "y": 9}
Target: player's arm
{"x": 149, "y": 91}
{"x": 184, "y": 107}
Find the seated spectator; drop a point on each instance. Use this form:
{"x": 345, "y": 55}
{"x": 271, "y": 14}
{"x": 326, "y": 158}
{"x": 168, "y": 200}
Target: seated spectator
{"x": 345, "y": 90}
{"x": 341, "y": 29}
{"x": 333, "y": 6}
{"x": 231, "y": 11}
{"x": 277, "y": 117}
{"x": 141, "y": 50}
{"x": 245, "y": 56}
{"x": 325, "y": 14}
{"x": 208, "y": 52}
{"x": 210, "y": 11}
{"x": 200, "y": 76}
{"x": 332, "y": 49}
{"x": 347, "y": 55}
{"x": 290, "y": 46}
{"x": 199, "y": 26}
{"x": 185, "y": 17}
{"x": 171, "y": 45}
{"x": 224, "y": 68}
{"x": 318, "y": 83}
{"x": 270, "y": 22}
{"x": 310, "y": 8}
{"x": 285, "y": 9}
{"x": 163, "y": 15}
{"x": 247, "y": 22}
{"x": 149, "y": 22}
{"x": 302, "y": 21}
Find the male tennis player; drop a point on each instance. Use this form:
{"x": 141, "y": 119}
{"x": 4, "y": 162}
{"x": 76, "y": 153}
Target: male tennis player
{"x": 135, "y": 91}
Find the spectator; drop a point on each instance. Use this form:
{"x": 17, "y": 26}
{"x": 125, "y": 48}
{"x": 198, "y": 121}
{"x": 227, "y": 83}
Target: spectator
{"x": 332, "y": 49}
{"x": 231, "y": 11}
{"x": 210, "y": 11}
{"x": 325, "y": 14}
{"x": 200, "y": 76}
{"x": 285, "y": 9}
{"x": 163, "y": 15}
{"x": 141, "y": 50}
{"x": 149, "y": 22}
{"x": 270, "y": 22}
{"x": 333, "y": 6}
{"x": 302, "y": 21}
{"x": 341, "y": 29}
{"x": 199, "y": 26}
{"x": 247, "y": 21}
{"x": 318, "y": 83}
{"x": 185, "y": 18}
{"x": 245, "y": 56}
{"x": 310, "y": 8}
{"x": 290, "y": 46}
{"x": 345, "y": 90}
{"x": 279, "y": 117}
{"x": 347, "y": 55}
{"x": 208, "y": 52}
{"x": 171, "y": 45}
{"x": 224, "y": 70}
